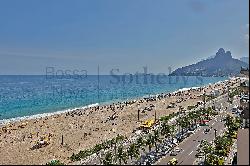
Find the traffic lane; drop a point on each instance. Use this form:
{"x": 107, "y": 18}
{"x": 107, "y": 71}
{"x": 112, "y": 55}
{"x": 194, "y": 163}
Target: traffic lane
{"x": 189, "y": 156}
{"x": 209, "y": 137}
{"x": 189, "y": 145}
{"x": 186, "y": 146}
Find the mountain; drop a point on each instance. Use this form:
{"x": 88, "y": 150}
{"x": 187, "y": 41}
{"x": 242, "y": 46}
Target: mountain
{"x": 245, "y": 59}
{"x": 221, "y": 65}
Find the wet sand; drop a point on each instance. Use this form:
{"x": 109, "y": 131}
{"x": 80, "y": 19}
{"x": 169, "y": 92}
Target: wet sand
{"x": 83, "y": 128}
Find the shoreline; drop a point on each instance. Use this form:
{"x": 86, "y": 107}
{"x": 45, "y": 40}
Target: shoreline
{"x": 84, "y": 128}
{"x": 116, "y": 101}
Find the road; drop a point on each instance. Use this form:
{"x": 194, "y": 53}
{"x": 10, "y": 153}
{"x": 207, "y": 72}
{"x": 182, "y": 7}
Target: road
{"x": 190, "y": 145}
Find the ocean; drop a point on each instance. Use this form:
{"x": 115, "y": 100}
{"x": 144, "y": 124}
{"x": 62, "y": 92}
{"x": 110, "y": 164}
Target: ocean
{"x": 23, "y": 96}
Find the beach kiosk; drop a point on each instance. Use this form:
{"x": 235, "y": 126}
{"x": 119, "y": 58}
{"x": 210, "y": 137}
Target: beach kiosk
{"x": 147, "y": 124}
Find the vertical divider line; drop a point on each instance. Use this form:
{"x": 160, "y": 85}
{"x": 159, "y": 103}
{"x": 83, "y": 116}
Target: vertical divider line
{"x": 98, "y": 84}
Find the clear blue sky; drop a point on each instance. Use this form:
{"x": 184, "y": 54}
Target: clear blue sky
{"x": 124, "y": 34}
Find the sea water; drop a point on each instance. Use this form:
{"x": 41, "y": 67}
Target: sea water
{"x": 22, "y": 96}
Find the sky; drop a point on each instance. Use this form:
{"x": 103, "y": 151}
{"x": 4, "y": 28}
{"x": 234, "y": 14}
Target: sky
{"x": 118, "y": 34}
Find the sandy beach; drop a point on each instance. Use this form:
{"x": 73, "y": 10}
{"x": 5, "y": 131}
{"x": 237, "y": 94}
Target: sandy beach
{"x": 83, "y": 128}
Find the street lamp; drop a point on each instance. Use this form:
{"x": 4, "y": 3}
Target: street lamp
{"x": 155, "y": 114}
{"x": 179, "y": 119}
{"x": 204, "y": 99}
{"x": 62, "y": 140}
{"x": 215, "y": 130}
{"x": 138, "y": 112}
{"x": 228, "y": 92}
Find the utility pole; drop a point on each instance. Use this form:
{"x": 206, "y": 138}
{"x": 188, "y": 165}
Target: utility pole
{"x": 138, "y": 112}
{"x": 204, "y": 100}
{"x": 215, "y": 130}
{"x": 138, "y": 115}
{"x": 62, "y": 140}
{"x": 155, "y": 114}
{"x": 179, "y": 118}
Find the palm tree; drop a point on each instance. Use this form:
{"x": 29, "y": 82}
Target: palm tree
{"x": 171, "y": 132}
{"x": 228, "y": 120}
{"x": 178, "y": 121}
{"x": 205, "y": 148}
{"x": 183, "y": 124}
{"x": 108, "y": 159}
{"x": 133, "y": 151}
{"x": 140, "y": 143}
{"x": 156, "y": 139}
{"x": 209, "y": 112}
{"x": 187, "y": 121}
{"x": 150, "y": 141}
{"x": 191, "y": 118}
{"x": 222, "y": 144}
{"x": 164, "y": 128}
{"x": 121, "y": 155}
{"x": 116, "y": 140}
{"x": 204, "y": 100}
{"x": 213, "y": 159}
{"x": 97, "y": 149}
{"x": 196, "y": 118}
{"x": 198, "y": 114}
{"x": 55, "y": 162}
{"x": 110, "y": 143}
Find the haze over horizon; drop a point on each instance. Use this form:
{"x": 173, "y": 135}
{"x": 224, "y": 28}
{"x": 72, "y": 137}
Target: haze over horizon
{"x": 118, "y": 34}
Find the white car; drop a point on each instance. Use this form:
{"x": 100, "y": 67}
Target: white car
{"x": 190, "y": 132}
{"x": 177, "y": 149}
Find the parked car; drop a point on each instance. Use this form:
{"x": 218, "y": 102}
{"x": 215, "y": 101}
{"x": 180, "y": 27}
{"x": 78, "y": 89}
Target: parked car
{"x": 177, "y": 149}
{"x": 190, "y": 132}
{"x": 171, "y": 105}
{"x": 173, "y": 153}
{"x": 199, "y": 155}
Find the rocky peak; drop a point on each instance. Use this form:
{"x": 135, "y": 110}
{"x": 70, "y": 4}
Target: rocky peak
{"x": 221, "y": 65}
{"x": 221, "y": 54}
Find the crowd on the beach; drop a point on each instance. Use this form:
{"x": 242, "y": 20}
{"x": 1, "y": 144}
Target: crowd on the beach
{"x": 39, "y": 132}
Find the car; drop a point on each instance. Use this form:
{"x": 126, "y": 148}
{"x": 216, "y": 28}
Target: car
{"x": 190, "y": 132}
{"x": 171, "y": 106}
{"x": 177, "y": 149}
{"x": 199, "y": 155}
{"x": 180, "y": 139}
{"x": 173, "y": 161}
{"x": 173, "y": 153}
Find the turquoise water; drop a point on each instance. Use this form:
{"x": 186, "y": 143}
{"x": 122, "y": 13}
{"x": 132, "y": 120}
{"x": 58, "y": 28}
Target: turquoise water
{"x": 29, "y": 95}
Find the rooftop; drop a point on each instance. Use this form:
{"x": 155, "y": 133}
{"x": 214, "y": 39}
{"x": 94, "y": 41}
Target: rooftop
{"x": 243, "y": 147}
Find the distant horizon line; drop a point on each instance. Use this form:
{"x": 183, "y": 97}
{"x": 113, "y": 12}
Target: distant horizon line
{"x": 106, "y": 75}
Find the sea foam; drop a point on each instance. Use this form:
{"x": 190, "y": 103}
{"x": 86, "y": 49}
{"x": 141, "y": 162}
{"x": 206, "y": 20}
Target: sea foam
{"x": 37, "y": 116}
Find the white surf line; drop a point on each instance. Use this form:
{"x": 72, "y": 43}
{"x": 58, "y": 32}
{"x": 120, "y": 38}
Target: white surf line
{"x": 190, "y": 153}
